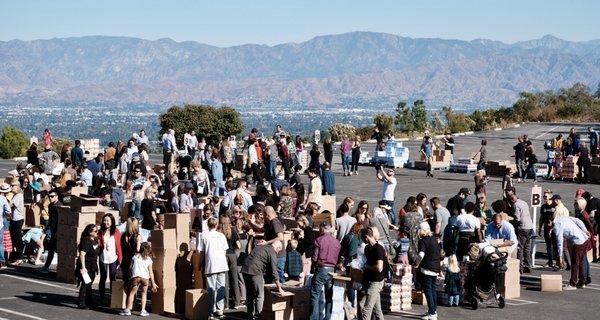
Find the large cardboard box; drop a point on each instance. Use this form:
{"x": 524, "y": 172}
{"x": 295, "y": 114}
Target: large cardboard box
{"x": 418, "y": 297}
{"x": 181, "y": 222}
{"x": 63, "y": 215}
{"x": 164, "y": 259}
{"x": 512, "y": 280}
{"x": 163, "y": 239}
{"x": 274, "y": 301}
{"x": 116, "y": 294}
{"x": 551, "y": 282}
{"x": 324, "y": 217}
{"x": 163, "y": 301}
{"x": 84, "y": 203}
{"x": 196, "y": 304}
{"x": 76, "y": 191}
{"x": 329, "y": 203}
{"x": 356, "y": 275}
{"x": 80, "y": 220}
{"x": 164, "y": 278}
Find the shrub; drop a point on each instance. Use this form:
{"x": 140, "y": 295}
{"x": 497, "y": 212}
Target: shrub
{"x": 13, "y": 143}
{"x": 339, "y": 130}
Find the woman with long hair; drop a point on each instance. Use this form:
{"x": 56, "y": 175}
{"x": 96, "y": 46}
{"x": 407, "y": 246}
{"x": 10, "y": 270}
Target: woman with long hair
{"x": 227, "y": 156}
{"x": 109, "y": 239}
{"x": 87, "y": 264}
{"x": 306, "y": 245}
{"x": 429, "y": 267}
{"x": 355, "y": 155}
{"x": 65, "y": 152}
{"x": 362, "y": 213}
{"x": 232, "y": 290}
{"x": 131, "y": 241}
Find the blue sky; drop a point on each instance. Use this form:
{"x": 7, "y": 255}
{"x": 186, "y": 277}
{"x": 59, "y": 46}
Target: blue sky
{"x": 225, "y": 23}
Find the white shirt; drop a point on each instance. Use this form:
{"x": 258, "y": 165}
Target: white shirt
{"x": 344, "y": 225}
{"x": 467, "y": 223}
{"x": 315, "y": 190}
{"x": 387, "y": 192}
{"x": 139, "y": 267}
{"x": 109, "y": 253}
{"x": 214, "y": 245}
{"x": 252, "y": 156}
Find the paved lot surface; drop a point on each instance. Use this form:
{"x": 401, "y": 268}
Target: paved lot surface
{"x": 27, "y": 294}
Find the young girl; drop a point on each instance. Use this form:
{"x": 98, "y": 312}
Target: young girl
{"x": 452, "y": 281}
{"x": 141, "y": 272}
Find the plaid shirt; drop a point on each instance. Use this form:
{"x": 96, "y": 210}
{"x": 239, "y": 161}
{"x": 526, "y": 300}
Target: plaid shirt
{"x": 293, "y": 263}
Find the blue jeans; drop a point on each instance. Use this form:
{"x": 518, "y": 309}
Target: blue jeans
{"x": 430, "y": 293}
{"x": 392, "y": 213}
{"x": 586, "y": 269}
{"x": 321, "y": 278}
{"x": 281, "y": 269}
{"x": 216, "y": 292}
{"x": 453, "y": 300}
{"x": 136, "y": 207}
{"x": 346, "y": 161}
{"x": 272, "y": 167}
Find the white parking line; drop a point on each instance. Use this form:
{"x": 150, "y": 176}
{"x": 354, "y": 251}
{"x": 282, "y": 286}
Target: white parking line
{"x": 520, "y": 302}
{"x": 39, "y": 282}
{"x": 545, "y": 133}
{"x": 25, "y": 315}
{"x": 8, "y": 298}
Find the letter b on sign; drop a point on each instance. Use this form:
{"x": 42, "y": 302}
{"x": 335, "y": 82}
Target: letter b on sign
{"x": 536, "y": 196}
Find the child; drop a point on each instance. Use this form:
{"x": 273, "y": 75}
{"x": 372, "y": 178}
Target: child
{"x": 452, "y": 281}
{"x": 36, "y": 235}
{"x": 403, "y": 252}
{"x": 293, "y": 262}
{"x": 141, "y": 272}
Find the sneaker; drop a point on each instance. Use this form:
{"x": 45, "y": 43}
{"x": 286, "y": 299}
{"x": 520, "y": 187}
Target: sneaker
{"x": 144, "y": 313}
{"x": 569, "y": 288}
{"x": 44, "y": 270}
{"x": 125, "y": 312}
{"x": 430, "y": 317}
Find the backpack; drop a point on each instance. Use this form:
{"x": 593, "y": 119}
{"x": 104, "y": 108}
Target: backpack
{"x": 411, "y": 223}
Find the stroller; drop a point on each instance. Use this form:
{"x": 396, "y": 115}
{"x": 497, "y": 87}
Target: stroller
{"x": 484, "y": 274}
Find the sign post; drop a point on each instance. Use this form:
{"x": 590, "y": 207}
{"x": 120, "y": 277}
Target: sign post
{"x": 536, "y": 202}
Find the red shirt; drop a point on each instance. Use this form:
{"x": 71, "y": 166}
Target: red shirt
{"x": 117, "y": 236}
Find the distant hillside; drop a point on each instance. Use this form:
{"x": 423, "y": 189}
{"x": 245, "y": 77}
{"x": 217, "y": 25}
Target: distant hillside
{"x": 358, "y": 66}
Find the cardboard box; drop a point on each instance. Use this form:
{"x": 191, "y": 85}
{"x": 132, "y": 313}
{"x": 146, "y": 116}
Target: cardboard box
{"x": 356, "y": 275}
{"x": 163, "y": 301}
{"x": 63, "y": 215}
{"x": 418, "y": 297}
{"x": 163, "y": 239}
{"x": 164, "y": 278}
{"x": 32, "y": 215}
{"x": 512, "y": 280}
{"x": 177, "y": 221}
{"x": 196, "y": 304}
{"x": 324, "y": 217}
{"x": 278, "y": 315}
{"x": 274, "y": 301}
{"x": 83, "y": 202}
{"x": 81, "y": 220}
{"x": 116, "y": 294}
{"x": 551, "y": 282}
{"x": 329, "y": 203}
{"x": 76, "y": 191}
{"x": 164, "y": 259}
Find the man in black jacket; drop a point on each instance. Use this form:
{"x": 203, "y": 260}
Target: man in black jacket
{"x": 520, "y": 158}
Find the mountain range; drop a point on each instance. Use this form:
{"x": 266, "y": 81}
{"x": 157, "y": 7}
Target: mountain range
{"x": 357, "y": 68}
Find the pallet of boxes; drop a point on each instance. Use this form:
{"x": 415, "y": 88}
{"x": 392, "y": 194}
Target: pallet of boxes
{"x": 440, "y": 160}
{"x": 71, "y": 222}
{"x": 396, "y": 295}
{"x": 498, "y": 168}
{"x": 569, "y": 169}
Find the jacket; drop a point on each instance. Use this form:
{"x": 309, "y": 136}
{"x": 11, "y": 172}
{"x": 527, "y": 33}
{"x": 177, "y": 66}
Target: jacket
{"x": 117, "y": 236}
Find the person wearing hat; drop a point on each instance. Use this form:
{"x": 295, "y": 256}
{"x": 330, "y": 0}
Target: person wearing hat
{"x": 429, "y": 267}
{"x": 5, "y": 211}
{"x": 388, "y": 189}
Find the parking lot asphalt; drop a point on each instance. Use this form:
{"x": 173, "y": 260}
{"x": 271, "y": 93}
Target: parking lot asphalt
{"x": 27, "y": 294}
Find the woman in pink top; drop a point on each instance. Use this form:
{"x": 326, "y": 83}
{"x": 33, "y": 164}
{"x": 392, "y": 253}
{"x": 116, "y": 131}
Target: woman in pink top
{"x": 346, "y": 149}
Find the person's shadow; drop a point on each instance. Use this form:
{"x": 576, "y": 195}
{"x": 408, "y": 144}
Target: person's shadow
{"x": 54, "y": 299}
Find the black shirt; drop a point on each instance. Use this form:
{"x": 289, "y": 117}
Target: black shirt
{"x": 593, "y": 204}
{"x": 432, "y": 258}
{"x": 91, "y": 248}
{"x": 450, "y": 145}
{"x": 272, "y": 228}
{"x": 374, "y": 253}
{"x": 547, "y": 214}
{"x": 306, "y": 245}
{"x": 455, "y": 203}
{"x": 231, "y": 241}
{"x": 147, "y": 207}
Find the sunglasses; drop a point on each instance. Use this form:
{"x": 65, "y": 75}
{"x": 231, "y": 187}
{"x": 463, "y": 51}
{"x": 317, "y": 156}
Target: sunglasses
{"x": 137, "y": 171}
{"x": 53, "y": 195}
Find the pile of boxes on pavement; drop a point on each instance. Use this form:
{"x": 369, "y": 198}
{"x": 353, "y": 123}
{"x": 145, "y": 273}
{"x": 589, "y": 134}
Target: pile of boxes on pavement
{"x": 594, "y": 170}
{"x": 569, "y": 169}
{"x": 397, "y": 295}
{"x": 463, "y": 165}
{"x": 498, "y": 168}
{"x": 294, "y": 304}
{"x": 72, "y": 220}
{"x": 91, "y": 145}
{"x": 441, "y": 159}
{"x": 394, "y": 155}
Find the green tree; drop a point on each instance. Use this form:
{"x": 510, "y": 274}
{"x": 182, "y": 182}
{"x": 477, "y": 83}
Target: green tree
{"x": 419, "y": 116}
{"x": 404, "y": 119}
{"x": 13, "y": 143}
{"x": 525, "y": 105}
{"x": 209, "y": 122}
{"x": 384, "y": 122}
{"x": 437, "y": 123}
{"x": 339, "y": 130}
{"x": 457, "y": 121}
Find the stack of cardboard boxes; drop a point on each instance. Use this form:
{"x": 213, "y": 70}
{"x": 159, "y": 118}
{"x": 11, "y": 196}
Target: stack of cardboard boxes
{"x": 512, "y": 280}
{"x": 164, "y": 248}
{"x": 91, "y": 145}
{"x": 569, "y": 169}
{"x": 397, "y": 295}
{"x": 463, "y": 165}
{"x": 498, "y": 168}
{"x": 440, "y": 160}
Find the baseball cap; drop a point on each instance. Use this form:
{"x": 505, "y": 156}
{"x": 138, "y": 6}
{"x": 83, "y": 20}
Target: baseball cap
{"x": 465, "y": 191}
{"x": 556, "y": 197}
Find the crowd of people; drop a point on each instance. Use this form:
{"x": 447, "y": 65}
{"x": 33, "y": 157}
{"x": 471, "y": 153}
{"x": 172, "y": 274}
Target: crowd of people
{"x": 240, "y": 231}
